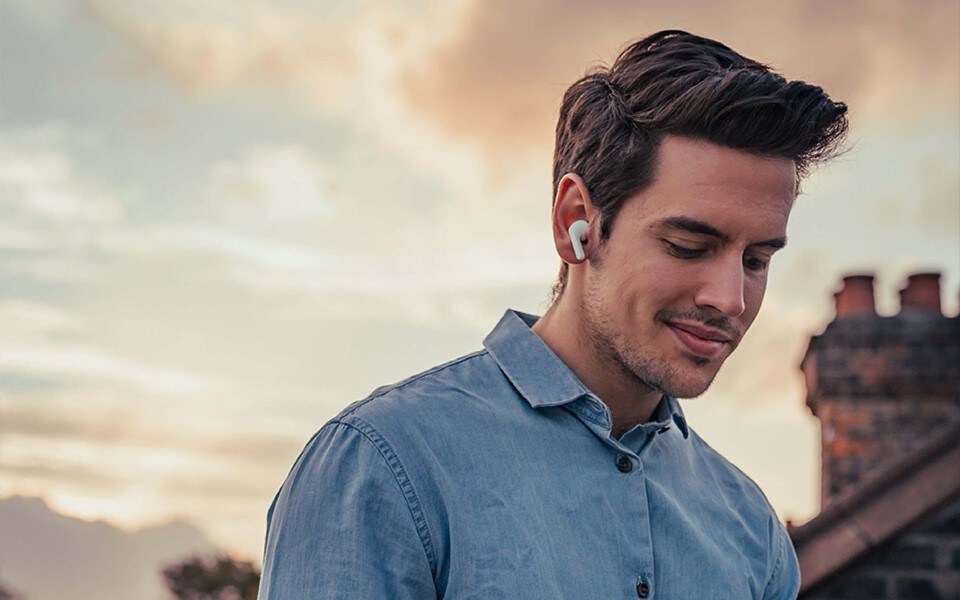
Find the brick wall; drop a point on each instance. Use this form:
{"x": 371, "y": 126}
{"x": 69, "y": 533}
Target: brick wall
{"x": 922, "y": 564}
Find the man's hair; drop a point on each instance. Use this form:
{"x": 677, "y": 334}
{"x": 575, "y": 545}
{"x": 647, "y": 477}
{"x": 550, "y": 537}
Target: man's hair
{"x": 672, "y": 82}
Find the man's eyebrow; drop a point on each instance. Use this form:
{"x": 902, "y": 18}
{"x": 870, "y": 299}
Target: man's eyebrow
{"x": 699, "y": 227}
{"x": 691, "y": 225}
{"x": 775, "y": 243}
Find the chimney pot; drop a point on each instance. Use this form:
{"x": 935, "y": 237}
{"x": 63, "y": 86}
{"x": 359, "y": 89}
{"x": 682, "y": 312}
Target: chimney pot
{"x": 856, "y": 296}
{"x": 922, "y": 293}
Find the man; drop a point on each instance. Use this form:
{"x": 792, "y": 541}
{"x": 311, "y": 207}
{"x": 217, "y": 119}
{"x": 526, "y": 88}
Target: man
{"x": 556, "y": 462}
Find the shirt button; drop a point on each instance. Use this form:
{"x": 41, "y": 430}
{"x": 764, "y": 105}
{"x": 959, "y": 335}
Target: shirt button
{"x": 624, "y": 464}
{"x": 643, "y": 590}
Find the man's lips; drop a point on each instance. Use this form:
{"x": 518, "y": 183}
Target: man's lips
{"x": 699, "y": 339}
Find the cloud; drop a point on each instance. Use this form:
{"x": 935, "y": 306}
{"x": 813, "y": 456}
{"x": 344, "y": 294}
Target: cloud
{"x": 499, "y": 83}
{"x": 340, "y": 64}
{"x": 51, "y": 214}
{"x": 35, "y": 317}
{"x": 222, "y": 490}
{"x": 247, "y": 250}
{"x": 213, "y": 47}
{"x": 277, "y": 183}
{"x": 131, "y": 467}
{"x": 212, "y": 437}
{"x": 253, "y": 43}
{"x": 44, "y": 185}
{"x": 49, "y": 15}
{"x": 77, "y": 361}
{"x": 18, "y": 240}
{"x": 81, "y": 476}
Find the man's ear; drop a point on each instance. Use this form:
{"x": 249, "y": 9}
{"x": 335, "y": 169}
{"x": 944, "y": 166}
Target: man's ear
{"x": 572, "y": 204}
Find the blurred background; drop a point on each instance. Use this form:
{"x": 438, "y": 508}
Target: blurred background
{"x": 223, "y": 221}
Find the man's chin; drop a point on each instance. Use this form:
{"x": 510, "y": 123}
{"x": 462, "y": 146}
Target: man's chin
{"x": 689, "y": 385}
{"x": 689, "y": 394}
{"x": 676, "y": 376}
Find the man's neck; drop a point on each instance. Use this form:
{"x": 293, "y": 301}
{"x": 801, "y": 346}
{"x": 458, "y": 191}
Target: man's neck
{"x": 629, "y": 401}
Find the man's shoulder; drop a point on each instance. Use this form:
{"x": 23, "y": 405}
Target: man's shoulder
{"x": 433, "y": 396}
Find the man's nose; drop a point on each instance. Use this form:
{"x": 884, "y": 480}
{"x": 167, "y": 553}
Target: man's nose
{"x": 722, "y": 288}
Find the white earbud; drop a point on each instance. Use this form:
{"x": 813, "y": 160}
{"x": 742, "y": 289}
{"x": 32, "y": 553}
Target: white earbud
{"x": 578, "y": 235}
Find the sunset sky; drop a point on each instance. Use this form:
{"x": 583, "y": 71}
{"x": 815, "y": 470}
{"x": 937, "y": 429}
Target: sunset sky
{"x": 223, "y": 221}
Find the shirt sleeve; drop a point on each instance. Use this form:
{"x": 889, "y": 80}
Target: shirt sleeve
{"x": 341, "y": 525}
{"x": 784, "y": 583}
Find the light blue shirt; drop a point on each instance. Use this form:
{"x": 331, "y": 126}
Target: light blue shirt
{"x": 496, "y": 476}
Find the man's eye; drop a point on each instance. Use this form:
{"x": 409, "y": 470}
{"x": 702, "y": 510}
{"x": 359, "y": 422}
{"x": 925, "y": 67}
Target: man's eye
{"x": 683, "y": 251}
{"x": 755, "y": 264}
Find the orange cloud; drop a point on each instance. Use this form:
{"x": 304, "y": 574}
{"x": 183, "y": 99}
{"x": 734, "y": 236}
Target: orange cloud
{"x": 500, "y": 82}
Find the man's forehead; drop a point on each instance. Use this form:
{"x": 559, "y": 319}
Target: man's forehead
{"x": 701, "y": 162}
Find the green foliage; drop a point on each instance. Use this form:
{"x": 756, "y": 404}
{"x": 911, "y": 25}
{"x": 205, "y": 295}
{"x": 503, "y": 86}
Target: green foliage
{"x": 212, "y": 578}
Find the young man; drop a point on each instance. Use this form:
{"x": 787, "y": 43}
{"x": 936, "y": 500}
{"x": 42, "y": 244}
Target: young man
{"x": 556, "y": 462}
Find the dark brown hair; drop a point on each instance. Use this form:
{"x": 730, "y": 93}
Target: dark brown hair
{"x": 672, "y": 82}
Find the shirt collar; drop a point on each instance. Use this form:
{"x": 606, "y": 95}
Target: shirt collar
{"x": 669, "y": 409}
{"x": 530, "y": 365}
{"x": 539, "y": 374}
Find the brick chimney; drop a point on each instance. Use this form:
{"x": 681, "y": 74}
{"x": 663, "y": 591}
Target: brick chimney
{"x": 856, "y": 296}
{"x": 881, "y": 385}
{"x": 922, "y": 293}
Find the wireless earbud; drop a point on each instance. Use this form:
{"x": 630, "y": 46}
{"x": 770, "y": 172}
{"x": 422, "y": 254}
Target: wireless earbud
{"x": 578, "y": 235}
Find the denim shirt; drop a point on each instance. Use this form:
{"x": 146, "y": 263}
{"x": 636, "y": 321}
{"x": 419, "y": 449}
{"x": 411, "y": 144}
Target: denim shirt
{"x": 496, "y": 476}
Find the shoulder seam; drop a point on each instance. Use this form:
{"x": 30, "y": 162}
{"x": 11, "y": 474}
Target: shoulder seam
{"x": 781, "y": 559}
{"x": 403, "y": 481}
{"x": 399, "y": 386}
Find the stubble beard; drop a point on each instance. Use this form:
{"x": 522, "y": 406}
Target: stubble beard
{"x": 624, "y": 359}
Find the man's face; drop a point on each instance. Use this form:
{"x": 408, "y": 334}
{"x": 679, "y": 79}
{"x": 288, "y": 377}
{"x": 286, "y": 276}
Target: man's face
{"x": 681, "y": 278}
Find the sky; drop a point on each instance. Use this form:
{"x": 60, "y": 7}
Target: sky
{"x": 223, "y": 221}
